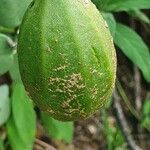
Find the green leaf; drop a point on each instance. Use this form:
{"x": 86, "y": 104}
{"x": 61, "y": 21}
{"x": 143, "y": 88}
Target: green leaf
{"x": 12, "y": 11}
{"x": 4, "y": 104}
{"x": 126, "y": 5}
{"x": 6, "y": 54}
{"x": 121, "y": 5}
{"x": 139, "y": 15}
{"x": 23, "y": 116}
{"x": 101, "y": 4}
{"x": 111, "y": 22}
{"x": 4, "y": 47}
{"x": 6, "y": 62}
{"x": 146, "y": 108}
{"x": 113, "y": 134}
{"x": 1, "y": 145}
{"x": 134, "y": 48}
{"x": 146, "y": 114}
{"x": 57, "y": 129}
{"x": 6, "y": 30}
{"x": 14, "y": 70}
{"x": 109, "y": 103}
{"x": 14, "y": 137}
{"x": 146, "y": 123}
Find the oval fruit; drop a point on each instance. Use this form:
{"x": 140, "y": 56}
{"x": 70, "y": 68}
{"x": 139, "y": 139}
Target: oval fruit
{"x": 67, "y": 59}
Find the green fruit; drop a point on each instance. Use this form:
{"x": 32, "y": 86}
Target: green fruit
{"x": 67, "y": 59}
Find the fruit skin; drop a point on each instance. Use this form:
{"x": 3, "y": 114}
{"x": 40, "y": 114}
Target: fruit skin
{"x": 67, "y": 59}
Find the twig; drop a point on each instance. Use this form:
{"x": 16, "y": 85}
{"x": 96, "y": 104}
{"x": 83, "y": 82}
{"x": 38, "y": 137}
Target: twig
{"x": 126, "y": 100}
{"x": 123, "y": 123}
{"x": 137, "y": 88}
{"x": 44, "y": 145}
{"x": 37, "y": 147}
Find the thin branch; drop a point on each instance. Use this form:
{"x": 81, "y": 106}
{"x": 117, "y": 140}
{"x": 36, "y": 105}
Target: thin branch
{"x": 37, "y": 147}
{"x": 123, "y": 123}
{"x": 44, "y": 145}
{"x": 126, "y": 100}
{"x": 137, "y": 79}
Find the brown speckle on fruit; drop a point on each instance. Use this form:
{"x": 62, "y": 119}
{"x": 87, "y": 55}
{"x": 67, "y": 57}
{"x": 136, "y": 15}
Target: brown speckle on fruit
{"x": 61, "y": 68}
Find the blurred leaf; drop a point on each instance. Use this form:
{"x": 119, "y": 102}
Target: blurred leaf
{"x": 146, "y": 108}
{"x": 6, "y": 54}
{"x": 14, "y": 70}
{"x": 139, "y": 15}
{"x": 121, "y": 5}
{"x": 111, "y": 22}
{"x": 14, "y": 137}
{"x": 12, "y": 11}
{"x": 146, "y": 114}
{"x": 113, "y": 134}
{"x": 1, "y": 145}
{"x": 5, "y": 63}
{"x": 57, "y": 129}
{"x": 4, "y": 47}
{"x": 109, "y": 103}
{"x": 126, "y": 5}
{"x": 23, "y": 119}
{"x": 101, "y": 4}
{"x": 134, "y": 48}
{"x": 146, "y": 123}
{"x": 4, "y": 104}
{"x": 6, "y": 30}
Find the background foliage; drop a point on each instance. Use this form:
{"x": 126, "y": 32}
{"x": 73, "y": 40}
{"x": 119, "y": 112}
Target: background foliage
{"x": 19, "y": 117}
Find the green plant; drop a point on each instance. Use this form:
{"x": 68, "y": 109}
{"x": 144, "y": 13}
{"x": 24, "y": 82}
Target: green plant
{"x": 131, "y": 44}
{"x": 112, "y": 133}
{"x": 146, "y": 114}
